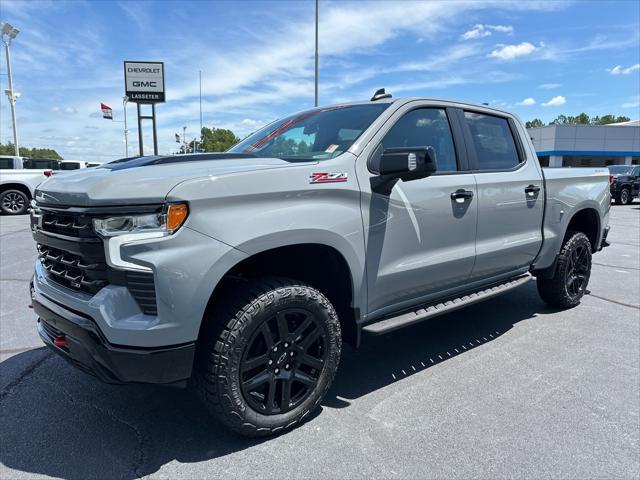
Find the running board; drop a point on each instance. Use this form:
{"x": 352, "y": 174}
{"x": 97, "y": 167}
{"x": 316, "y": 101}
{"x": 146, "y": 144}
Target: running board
{"x": 429, "y": 311}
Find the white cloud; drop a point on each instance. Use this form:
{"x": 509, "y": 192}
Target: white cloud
{"x": 634, "y": 102}
{"x": 619, "y": 70}
{"x": 555, "y": 102}
{"x": 509, "y": 52}
{"x": 480, "y": 31}
{"x": 549, "y": 86}
{"x": 527, "y": 102}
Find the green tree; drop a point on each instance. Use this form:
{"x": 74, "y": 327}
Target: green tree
{"x": 217, "y": 139}
{"x": 607, "y": 119}
{"x": 536, "y": 122}
{"x": 583, "y": 119}
{"x": 8, "y": 149}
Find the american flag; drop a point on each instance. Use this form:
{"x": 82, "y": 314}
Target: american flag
{"x": 107, "y": 112}
{"x": 177, "y": 138}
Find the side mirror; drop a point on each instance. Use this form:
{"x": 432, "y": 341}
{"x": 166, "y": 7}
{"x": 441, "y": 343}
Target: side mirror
{"x": 405, "y": 163}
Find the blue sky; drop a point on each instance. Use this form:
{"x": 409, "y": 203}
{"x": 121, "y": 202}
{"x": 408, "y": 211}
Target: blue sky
{"x": 536, "y": 58}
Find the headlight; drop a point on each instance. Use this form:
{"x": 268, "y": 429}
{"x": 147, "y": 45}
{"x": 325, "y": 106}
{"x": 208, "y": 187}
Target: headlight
{"x": 166, "y": 223}
{"x": 122, "y": 230}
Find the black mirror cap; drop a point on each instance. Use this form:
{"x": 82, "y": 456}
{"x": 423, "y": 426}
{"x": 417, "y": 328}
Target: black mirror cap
{"x": 406, "y": 163}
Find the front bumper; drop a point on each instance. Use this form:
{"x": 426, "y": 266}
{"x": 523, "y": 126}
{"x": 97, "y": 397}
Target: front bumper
{"x": 78, "y": 340}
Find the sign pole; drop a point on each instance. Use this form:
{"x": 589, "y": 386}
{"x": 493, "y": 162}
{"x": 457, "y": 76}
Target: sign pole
{"x": 155, "y": 134}
{"x": 126, "y": 131}
{"x": 140, "y": 148}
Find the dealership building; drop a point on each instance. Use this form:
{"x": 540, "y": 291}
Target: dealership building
{"x": 587, "y": 145}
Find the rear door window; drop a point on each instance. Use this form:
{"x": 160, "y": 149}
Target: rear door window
{"x": 493, "y": 140}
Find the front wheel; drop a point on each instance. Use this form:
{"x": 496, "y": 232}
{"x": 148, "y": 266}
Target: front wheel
{"x": 569, "y": 282}
{"x": 269, "y": 357}
{"x": 14, "y": 202}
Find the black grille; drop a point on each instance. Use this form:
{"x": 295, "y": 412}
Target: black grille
{"x": 72, "y": 271}
{"x": 73, "y": 255}
{"x": 72, "y": 225}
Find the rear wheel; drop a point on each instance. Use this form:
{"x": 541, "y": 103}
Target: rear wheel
{"x": 569, "y": 282}
{"x": 272, "y": 357}
{"x": 624, "y": 197}
{"x": 14, "y": 202}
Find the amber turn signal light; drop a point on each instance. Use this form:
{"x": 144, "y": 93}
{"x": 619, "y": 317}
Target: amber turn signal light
{"x": 176, "y": 215}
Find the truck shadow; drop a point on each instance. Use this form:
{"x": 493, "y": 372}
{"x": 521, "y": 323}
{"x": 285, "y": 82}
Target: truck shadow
{"x": 59, "y": 422}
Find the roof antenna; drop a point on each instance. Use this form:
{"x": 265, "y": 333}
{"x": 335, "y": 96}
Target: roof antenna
{"x": 380, "y": 94}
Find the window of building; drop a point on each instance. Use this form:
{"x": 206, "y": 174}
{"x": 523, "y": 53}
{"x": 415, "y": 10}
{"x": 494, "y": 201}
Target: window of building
{"x": 494, "y": 143}
{"x": 425, "y": 127}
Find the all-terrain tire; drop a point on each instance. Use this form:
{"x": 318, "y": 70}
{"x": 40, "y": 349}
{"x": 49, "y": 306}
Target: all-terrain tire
{"x": 569, "y": 282}
{"x": 232, "y": 330}
{"x": 14, "y": 202}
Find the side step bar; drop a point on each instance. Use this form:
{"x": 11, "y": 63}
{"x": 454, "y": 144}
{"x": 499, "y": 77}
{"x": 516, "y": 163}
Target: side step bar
{"x": 429, "y": 311}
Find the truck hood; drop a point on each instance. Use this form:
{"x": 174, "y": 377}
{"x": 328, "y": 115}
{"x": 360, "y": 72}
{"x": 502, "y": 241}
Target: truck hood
{"x": 141, "y": 182}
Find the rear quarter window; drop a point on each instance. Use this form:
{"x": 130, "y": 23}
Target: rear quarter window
{"x": 6, "y": 163}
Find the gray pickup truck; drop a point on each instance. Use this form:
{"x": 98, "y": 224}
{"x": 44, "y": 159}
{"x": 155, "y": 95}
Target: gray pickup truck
{"x": 242, "y": 273}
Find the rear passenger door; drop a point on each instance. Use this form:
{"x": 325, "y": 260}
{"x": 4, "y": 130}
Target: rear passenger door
{"x": 510, "y": 195}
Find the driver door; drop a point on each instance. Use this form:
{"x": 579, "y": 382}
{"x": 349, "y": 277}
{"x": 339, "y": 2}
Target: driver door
{"x": 420, "y": 240}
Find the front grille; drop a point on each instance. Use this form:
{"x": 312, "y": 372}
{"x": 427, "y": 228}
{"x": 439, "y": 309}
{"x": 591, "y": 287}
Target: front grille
{"x": 73, "y": 256}
{"x": 72, "y": 271}
{"x": 72, "y": 225}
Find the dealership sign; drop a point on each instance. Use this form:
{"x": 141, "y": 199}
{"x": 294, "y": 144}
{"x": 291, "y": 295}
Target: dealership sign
{"x": 144, "y": 81}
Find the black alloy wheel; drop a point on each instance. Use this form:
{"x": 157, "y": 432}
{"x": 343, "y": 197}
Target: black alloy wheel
{"x": 282, "y": 362}
{"x": 578, "y": 267}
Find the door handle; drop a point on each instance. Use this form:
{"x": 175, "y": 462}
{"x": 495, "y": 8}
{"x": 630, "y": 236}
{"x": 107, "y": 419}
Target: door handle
{"x": 461, "y": 195}
{"x": 532, "y": 190}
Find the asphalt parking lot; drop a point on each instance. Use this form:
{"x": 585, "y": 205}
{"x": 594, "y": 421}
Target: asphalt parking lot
{"x": 509, "y": 388}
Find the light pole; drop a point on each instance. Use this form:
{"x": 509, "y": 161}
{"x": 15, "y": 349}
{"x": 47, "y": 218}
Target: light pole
{"x": 9, "y": 33}
{"x": 316, "y": 59}
{"x": 125, "y": 99}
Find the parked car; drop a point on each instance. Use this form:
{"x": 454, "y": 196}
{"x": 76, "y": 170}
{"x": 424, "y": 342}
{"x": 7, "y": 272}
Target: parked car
{"x": 244, "y": 272}
{"x": 625, "y": 183}
{"x": 17, "y": 184}
{"x": 74, "y": 164}
{"x": 41, "y": 164}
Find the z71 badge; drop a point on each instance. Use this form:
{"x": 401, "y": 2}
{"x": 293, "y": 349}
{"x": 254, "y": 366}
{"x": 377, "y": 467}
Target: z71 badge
{"x": 325, "y": 177}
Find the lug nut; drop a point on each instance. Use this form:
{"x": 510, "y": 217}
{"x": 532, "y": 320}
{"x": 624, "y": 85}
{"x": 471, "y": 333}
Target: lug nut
{"x": 275, "y": 349}
{"x": 270, "y": 362}
{"x": 277, "y": 371}
{"x": 287, "y": 366}
{"x": 291, "y": 354}
{"x": 286, "y": 345}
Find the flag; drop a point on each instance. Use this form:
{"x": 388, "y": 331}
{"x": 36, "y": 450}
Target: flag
{"x": 177, "y": 138}
{"x": 106, "y": 111}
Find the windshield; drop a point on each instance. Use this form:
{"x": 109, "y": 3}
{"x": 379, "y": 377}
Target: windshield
{"x": 317, "y": 134}
{"x": 620, "y": 170}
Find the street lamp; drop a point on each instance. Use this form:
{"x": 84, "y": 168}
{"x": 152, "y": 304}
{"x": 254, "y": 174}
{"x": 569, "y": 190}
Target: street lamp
{"x": 9, "y": 33}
